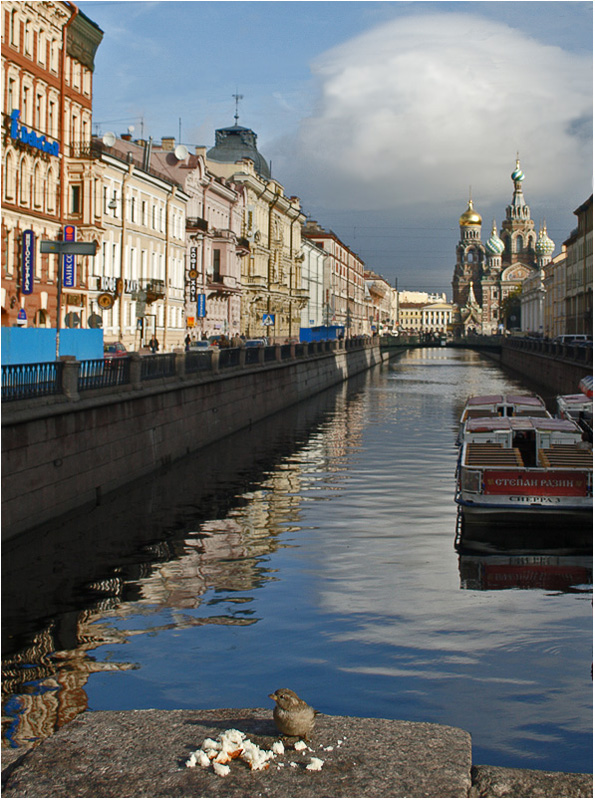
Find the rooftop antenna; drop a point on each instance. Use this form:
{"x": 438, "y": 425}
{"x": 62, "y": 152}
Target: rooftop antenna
{"x": 237, "y": 97}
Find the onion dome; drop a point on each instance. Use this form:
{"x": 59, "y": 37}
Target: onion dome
{"x": 495, "y": 245}
{"x": 544, "y": 245}
{"x": 470, "y": 217}
{"x": 518, "y": 174}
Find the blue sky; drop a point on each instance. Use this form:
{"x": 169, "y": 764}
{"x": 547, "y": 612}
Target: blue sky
{"x": 380, "y": 116}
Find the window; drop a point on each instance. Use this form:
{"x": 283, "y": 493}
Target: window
{"x": 12, "y": 94}
{"x": 41, "y": 47}
{"x": 26, "y": 109}
{"x": 9, "y": 177}
{"x": 217, "y": 266}
{"x": 75, "y": 199}
{"x": 52, "y": 119}
{"x": 14, "y": 29}
{"x": 51, "y": 192}
{"x": 28, "y": 38}
{"x": 132, "y": 209}
{"x": 39, "y": 121}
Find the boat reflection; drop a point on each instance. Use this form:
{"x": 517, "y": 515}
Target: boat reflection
{"x": 493, "y": 558}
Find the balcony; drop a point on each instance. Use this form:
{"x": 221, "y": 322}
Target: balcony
{"x": 155, "y": 290}
{"x": 196, "y": 224}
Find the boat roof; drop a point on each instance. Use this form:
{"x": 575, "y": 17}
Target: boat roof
{"x": 574, "y": 399}
{"x": 486, "y": 424}
{"x": 508, "y": 399}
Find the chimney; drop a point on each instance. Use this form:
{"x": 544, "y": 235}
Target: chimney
{"x": 127, "y": 137}
{"x": 168, "y": 142}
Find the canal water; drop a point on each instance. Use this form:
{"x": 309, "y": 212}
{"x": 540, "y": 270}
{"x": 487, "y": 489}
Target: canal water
{"x": 314, "y": 551}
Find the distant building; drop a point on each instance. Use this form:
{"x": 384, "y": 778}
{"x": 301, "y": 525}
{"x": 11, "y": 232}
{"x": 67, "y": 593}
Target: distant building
{"x": 345, "y": 286}
{"x": 272, "y": 293}
{"x": 485, "y": 274}
{"x": 316, "y": 312}
{"x": 578, "y": 295}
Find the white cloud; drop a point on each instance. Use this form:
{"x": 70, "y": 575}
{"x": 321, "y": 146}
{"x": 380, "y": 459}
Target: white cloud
{"x": 421, "y": 107}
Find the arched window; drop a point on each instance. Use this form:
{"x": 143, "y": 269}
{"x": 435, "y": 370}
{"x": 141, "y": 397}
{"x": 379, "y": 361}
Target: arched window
{"x": 38, "y": 186}
{"x": 10, "y": 177}
{"x": 51, "y": 191}
{"x": 24, "y": 182}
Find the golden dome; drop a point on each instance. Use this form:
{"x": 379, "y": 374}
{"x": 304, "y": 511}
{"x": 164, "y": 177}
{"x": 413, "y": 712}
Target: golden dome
{"x": 470, "y": 217}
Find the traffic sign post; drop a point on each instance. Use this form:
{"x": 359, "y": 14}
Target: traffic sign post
{"x": 61, "y": 249}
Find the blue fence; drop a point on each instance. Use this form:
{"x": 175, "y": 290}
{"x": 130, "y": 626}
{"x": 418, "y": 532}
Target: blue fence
{"x": 22, "y": 381}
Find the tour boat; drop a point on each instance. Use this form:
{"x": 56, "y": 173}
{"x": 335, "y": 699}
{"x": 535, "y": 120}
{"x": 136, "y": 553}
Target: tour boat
{"x": 579, "y": 407}
{"x": 524, "y": 468}
{"x": 502, "y": 405}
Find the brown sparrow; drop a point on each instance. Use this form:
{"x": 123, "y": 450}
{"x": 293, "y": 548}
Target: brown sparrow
{"x": 293, "y": 716}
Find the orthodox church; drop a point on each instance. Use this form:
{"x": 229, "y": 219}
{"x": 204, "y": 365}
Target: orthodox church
{"x": 485, "y": 274}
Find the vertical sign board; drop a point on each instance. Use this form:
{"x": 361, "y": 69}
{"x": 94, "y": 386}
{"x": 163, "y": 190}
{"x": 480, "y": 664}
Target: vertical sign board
{"x": 192, "y": 275}
{"x": 201, "y": 306}
{"x": 68, "y": 279}
{"x": 28, "y": 262}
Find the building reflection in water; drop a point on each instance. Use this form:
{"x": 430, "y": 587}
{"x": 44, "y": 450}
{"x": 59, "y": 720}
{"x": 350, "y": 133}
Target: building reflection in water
{"x": 208, "y": 523}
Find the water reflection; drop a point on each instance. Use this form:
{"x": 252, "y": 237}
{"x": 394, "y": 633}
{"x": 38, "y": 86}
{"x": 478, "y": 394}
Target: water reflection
{"x": 314, "y": 551}
{"x": 222, "y": 512}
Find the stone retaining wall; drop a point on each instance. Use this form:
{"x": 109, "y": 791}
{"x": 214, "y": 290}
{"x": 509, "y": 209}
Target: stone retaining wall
{"x": 58, "y": 457}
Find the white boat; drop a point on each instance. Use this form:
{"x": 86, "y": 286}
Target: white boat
{"x": 527, "y": 468}
{"x": 502, "y": 405}
{"x": 578, "y": 407}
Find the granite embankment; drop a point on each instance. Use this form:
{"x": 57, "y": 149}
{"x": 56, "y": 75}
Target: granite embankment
{"x": 144, "y": 754}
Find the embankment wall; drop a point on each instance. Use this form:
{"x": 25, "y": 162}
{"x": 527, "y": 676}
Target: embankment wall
{"x": 56, "y": 458}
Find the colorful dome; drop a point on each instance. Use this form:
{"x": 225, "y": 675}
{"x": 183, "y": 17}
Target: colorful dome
{"x": 470, "y": 217}
{"x": 518, "y": 174}
{"x": 495, "y": 245}
{"x": 544, "y": 245}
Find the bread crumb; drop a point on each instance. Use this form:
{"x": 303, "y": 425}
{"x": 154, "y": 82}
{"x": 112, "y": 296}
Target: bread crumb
{"x": 220, "y": 769}
{"x": 315, "y": 764}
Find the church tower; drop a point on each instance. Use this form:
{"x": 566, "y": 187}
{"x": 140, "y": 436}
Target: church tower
{"x": 470, "y": 257}
{"x": 518, "y": 229}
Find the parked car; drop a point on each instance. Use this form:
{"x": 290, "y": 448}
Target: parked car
{"x": 255, "y": 343}
{"x": 199, "y": 344}
{"x": 574, "y": 338}
{"x": 114, "y": 350}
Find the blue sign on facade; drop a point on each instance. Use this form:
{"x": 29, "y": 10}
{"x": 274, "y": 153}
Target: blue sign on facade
{"x": 201, "y": 305}
{"x": 28, "y": 262}
{"x": 18, "y": 131}
{"x": 68, "y": 279}
{"x": 268, "y": 319}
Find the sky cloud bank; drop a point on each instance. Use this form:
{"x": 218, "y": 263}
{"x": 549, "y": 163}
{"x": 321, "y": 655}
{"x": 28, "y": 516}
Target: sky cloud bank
{"x": 418, "y": 109}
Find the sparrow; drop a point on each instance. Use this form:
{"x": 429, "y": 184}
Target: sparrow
{"x": 292, "y": 715}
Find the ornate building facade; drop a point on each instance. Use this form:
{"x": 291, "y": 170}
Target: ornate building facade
{"x": 272, "y": 292}
{"x": 48, "y": 52}
{"x": 485, "y": 274}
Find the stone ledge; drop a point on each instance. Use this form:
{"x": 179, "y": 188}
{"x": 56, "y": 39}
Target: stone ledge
{"x": 505, "y": 782}
{"x": 143, "y": 754}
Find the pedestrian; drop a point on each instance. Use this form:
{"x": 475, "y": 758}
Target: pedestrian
{"x": 154, "y": 344}
{"x": 187, "y": 341}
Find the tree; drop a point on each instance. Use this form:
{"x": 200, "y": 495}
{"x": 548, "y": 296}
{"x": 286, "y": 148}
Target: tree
{"x": 510, "y": 310}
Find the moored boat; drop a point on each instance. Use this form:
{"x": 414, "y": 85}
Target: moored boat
{"x": 578, "y": 407}
{"x": 530, "y": 468}
{"x": 502, "y": 405}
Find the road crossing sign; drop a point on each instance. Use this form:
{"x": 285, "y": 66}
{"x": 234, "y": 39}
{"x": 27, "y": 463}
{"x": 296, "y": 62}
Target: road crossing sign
{"x": 268, "y": 319}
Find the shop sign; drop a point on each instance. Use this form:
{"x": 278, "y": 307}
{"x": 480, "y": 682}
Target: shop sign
{"x": 28, "y": 262}
{"x": 201, "y": 306}
{"x": 69, "y": 235}
{"x": 108, "y": 284}
{"x": 20, "y": 133}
